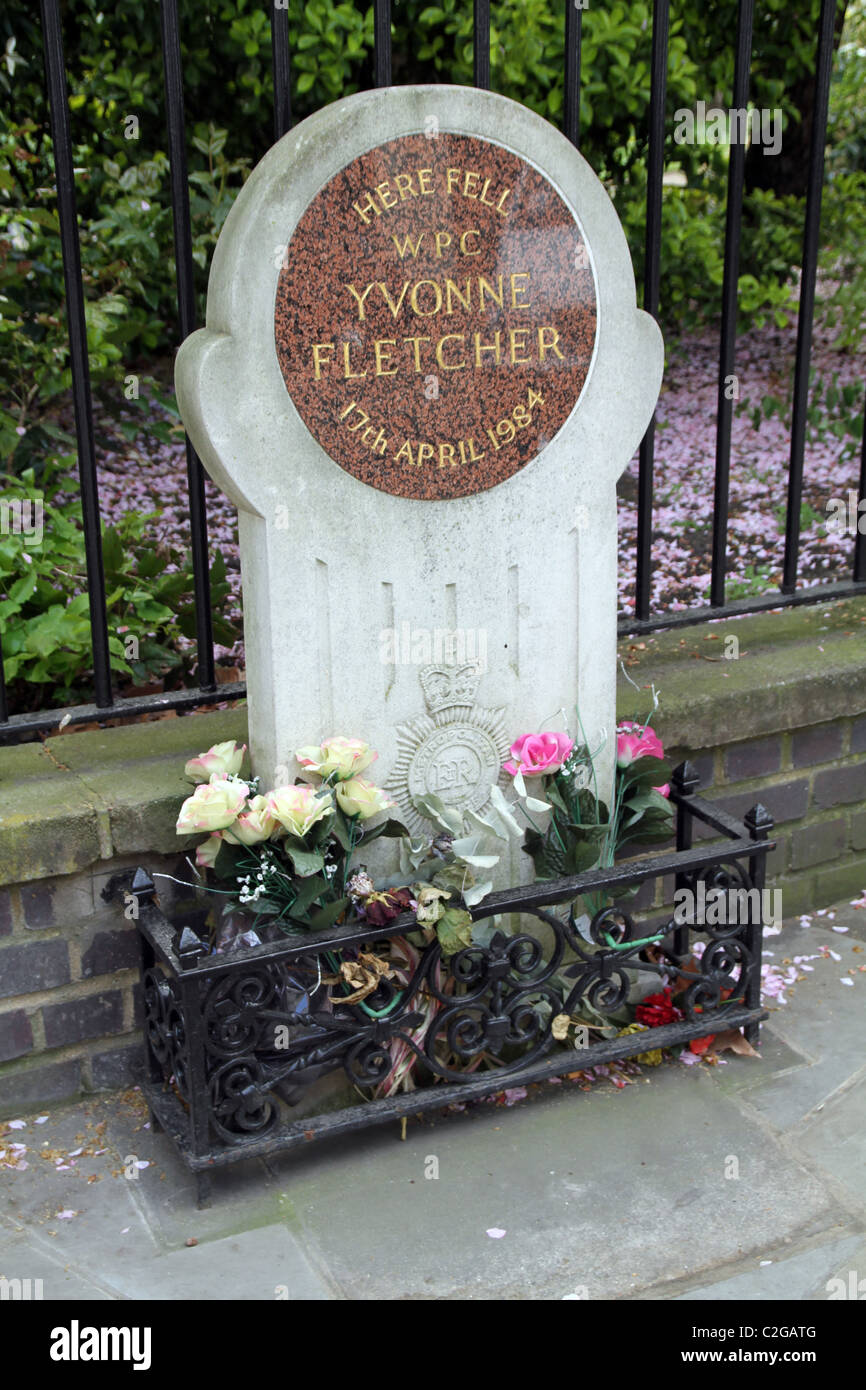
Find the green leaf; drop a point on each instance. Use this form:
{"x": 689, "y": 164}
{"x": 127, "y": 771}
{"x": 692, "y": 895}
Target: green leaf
{"x": 340, "y": 829}
{"x": 327, "y": 916}
{"x": 503, "y": 810}
{"x": 454, "y": 930}
{"x": 477, "y": 892}
{"x": 305, "y": 861}
{"x": 434, "y": 808}
{"x": 224, "y": 864}
{"x": 390, "y": 828}
{"x": 309, "y": 890}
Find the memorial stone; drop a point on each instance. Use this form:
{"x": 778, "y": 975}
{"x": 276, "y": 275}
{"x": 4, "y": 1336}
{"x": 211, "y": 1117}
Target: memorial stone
{"x": 423, "y": 371}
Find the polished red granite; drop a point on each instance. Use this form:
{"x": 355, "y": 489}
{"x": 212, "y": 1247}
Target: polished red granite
{"x": 435, "y": 316}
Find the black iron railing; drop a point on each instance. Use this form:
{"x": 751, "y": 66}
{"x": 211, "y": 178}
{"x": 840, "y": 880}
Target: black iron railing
{"x": 233, "y": 1041}
{"x": 104, "y": 702}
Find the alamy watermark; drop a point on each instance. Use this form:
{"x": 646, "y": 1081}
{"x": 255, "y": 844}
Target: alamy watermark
{"x": 419, "y": 646}
{"x": 847, "y": 515}
{"x": 20, "y": 1290}
{"x": 737, "y": 126}
{"x": 726, "y": 907}
{"x": 22, "y": 517}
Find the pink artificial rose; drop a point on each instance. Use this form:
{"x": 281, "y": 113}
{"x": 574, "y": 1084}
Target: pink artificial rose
{"x": 635, "y": 741}
{"x": 534, "y": 754}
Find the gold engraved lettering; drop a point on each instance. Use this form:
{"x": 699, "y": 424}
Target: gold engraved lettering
{"x": 395, "y": 308}
{"x": 388, "y": 198}
{"x": 451, "y": 288}
{"x": 425, "y": 178}
{"x": 407, "y": 246}
{"x": 544, "y": 346}
{"x": 452, "y": 176}
{"x": 348, "y": 374}
{"x": 494, "y": 347}
{"x": 318, "y": 360}
{"x": 413, "y": 299}
{"x": 449, "y": 338}
{"x": 447, "y": 450}
{"x": 484, "y": 284}
{"x": 473, "y": 231}
{"x": 481, "y": 197}
{"x": 518, "y": 289}
{"x": 405, "y": 453}
{"x": 514, "y": 334}
{"x": 363, "y": 209}
{"x": 360, "y": 298}
{"x": 470, "y": 178}
{"x": 416, "y": 344}
{"x": 443, "y": 239}
{"x": 378, "y": 348}
{"x": 404, "y": 186}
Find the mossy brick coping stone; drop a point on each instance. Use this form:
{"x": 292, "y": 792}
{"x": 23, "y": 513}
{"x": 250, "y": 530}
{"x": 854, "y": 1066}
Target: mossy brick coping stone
{"x": 796, "y": 668}
{"x": 77, "y": 799}
{"x": 80, "y": 798}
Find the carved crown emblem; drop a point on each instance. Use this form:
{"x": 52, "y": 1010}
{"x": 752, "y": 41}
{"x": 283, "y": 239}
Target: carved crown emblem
{"x": 447, "y": 686}
{"x": 455, "y": 751}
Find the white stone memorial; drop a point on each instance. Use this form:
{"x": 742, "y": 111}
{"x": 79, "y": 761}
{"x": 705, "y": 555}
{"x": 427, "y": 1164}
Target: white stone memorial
{"x": 422, "y": 373}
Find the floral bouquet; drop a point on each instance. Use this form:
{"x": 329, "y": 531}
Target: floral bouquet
{"x": 284, "y": 856}
{"x": 582, "y": 831}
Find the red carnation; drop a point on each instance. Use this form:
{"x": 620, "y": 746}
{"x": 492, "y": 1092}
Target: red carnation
{"x": 380, "y": 908}
{"x": 657, "y": 1010}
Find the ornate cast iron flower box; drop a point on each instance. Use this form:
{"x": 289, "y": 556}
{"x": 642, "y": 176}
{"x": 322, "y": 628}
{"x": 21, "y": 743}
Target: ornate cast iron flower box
{"x": 232, "y": 1041}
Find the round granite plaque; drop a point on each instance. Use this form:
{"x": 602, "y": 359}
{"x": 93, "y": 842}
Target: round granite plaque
{"x": 435, "y": 315}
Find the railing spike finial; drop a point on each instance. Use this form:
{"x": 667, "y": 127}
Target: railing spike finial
{"x": 758, "y": 821}
{"x": 685, "y": 778}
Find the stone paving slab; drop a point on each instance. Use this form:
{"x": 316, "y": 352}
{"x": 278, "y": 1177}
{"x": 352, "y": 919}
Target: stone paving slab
{"x": 615, "y": 1192}
{"x": 795, "y": 1278}
{"x": 835, "y": 1141}
{"x": 601, "y": 1194}
{"x": 26, "y": 1257}
{"x": 823, "y": 1020}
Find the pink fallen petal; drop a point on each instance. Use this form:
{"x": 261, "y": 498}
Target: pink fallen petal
{"x": 515, "y": 1093}
{"x": 66, "y": 1215}
{"x": 843, "y": 981}
{"x": 495, "y": 1233}
{"x": 17, "y": 1124}
{"x": 840, "y": 929}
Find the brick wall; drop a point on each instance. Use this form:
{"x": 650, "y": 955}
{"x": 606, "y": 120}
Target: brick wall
{"x": 785, "y": 725}
{"x": 813, "y": 783}
{"x": 70, "y": 1005}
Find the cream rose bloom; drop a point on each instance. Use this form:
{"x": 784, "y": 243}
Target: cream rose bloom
{"x": 205, "y": 855}
{"x": 212, "y": 806}
{"x": 222, "y": 760}
{"x": 253, "y": 825}
{"x": 361, "y": 798}
{"x": 345, "y": 756}
{"x": 297, "y": 809}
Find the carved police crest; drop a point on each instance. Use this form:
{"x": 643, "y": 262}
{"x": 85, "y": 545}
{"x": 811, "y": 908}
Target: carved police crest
{"x": 455, "y": 751}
